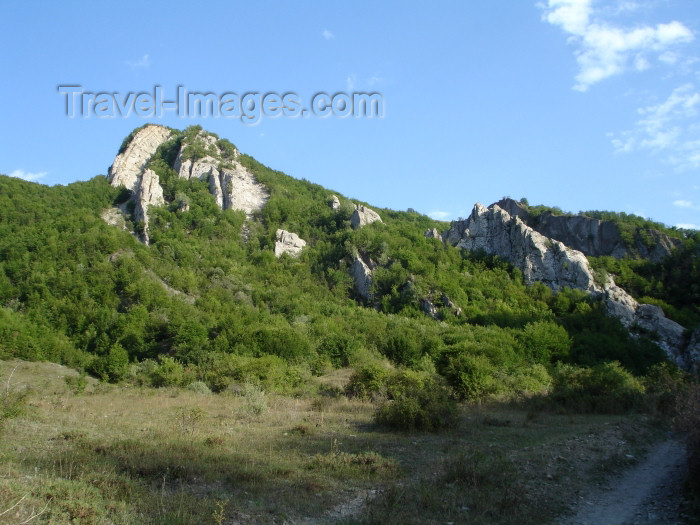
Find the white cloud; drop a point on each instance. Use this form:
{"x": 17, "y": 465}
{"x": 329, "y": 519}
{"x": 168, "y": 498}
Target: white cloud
{"x": 669, "y": 126}
{"x": 439, "y": 215}
{"x": 27, "y": 175}
{"x": 683, "y": 204}
{"x": 143, "y": 62}
{"x": 688, "y": 226}
{"x": 603, "y": 49}
{"x": 327, "y": 34}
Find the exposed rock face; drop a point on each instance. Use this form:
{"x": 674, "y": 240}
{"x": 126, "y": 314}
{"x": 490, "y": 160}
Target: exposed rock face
{"x": 429, "y": 308}
{"x": 128, "y": 166}
{"x": 232, "y": 186}
{"x": 446, "y": 301}
{"x": 288, "y": 242}
{"x": 335, "y": 203}
{"x": 593, "y": 237}
{"x": 432, "y": 234}
{"x": 361, "y": 271}
{"x": 494, "y": 231}
{"x": 150, "y": 193}
{"x": 363, "y": 216}
{"x": 539, "y": 258}
{"x": 128, "y": 171}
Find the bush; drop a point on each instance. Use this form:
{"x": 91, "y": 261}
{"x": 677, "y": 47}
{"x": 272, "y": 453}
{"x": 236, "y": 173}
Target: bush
{"x": 427, "y": 406}
{"x": 169, "y": 372}
{"x": 368, "y": 382}
{"x": 607, "y": 388}
{"x": 112, "y": 367}
{"x": 471, "y": 376}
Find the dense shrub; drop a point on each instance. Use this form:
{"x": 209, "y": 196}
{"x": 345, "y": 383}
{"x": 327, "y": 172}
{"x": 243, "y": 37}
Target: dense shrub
{"x": 472, "y": 376}
{"x": 368, "y": 382}
{"x": 605, "y": 388}
{"x": 418, "y": 404}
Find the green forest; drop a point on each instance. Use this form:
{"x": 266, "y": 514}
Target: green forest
{"x": 204, "y": 303}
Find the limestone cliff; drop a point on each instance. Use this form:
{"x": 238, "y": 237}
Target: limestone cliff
{"x": 199, "y": 156}
{"x": 232, "y": 186}
{"x": 128, "y": 166}
{"x": 149, "y": 193}
{"x": 591, "y": 236}
{"x": 542, "y": 259}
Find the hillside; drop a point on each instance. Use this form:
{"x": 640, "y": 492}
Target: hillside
{"x": 190, "y": 273}
{"x": 281, "y": 353}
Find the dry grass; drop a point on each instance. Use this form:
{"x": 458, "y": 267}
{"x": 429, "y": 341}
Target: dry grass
{"x": 137, "y": 455}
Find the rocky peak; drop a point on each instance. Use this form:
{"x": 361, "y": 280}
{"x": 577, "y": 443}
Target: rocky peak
{"x": 128, "y": 166}
{"x": 335, "y": 203}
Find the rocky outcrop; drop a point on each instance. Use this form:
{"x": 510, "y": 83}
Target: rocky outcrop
{"x": 447, "y": 302}
{"x": 232, "y": 186}
{"x": 432, "y": 234}
{"x": 289, "y": 243}
{"x": 591, "y": 236}
{"x": 127, "y": 168}
{"x": 361, "y": 272}
{"x": 150, "y": 193}
{"x": 494, "y": 231}
{"x": 363, "y": 216}
{"x": 335, "y": 203}
{"x": 539, "y": 258}
{"x": 429, "y": 308}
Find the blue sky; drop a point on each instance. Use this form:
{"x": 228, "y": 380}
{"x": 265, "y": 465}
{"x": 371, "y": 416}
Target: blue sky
{"x": 583, "y": 104}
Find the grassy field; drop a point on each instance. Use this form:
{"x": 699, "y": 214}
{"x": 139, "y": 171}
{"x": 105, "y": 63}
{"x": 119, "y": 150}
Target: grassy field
{"x": 119, "y": 454}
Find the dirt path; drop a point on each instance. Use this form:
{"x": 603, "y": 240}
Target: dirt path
{"x": 648, "y": 493}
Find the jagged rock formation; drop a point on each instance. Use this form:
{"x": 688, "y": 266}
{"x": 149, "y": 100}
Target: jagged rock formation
{"x": 288, "y": 242}
{"x": 127, "y": 168}
{"x": 150, "y": 193}
{"x": 432, "y": 234}
{"x": 233, "y": 186}
{"x": 335, "y": 203}
{"x": 593, "y": 237}
{"x": 361, "y": 272}
{"x": 496, "y": 232}
{"x": 363, "y": 216}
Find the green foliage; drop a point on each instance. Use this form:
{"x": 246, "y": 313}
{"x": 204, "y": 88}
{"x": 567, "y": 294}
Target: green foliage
{"x": 544, "y": 342}
{"x": 417, "y": 403}
{"x": 472, "y": 376}
{"x": 205, "y": 303}
{"x": 368, "y": 382}
{"x": 168, "y": 372}
{"x": 605, "y": 388}
{"x": 113, "y": 366}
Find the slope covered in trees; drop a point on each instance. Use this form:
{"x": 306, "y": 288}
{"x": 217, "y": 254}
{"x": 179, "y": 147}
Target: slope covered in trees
{"x": 207, "y": 302}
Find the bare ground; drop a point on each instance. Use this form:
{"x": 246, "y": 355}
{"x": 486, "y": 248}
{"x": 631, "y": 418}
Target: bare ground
{"x": 648, "y": 493}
